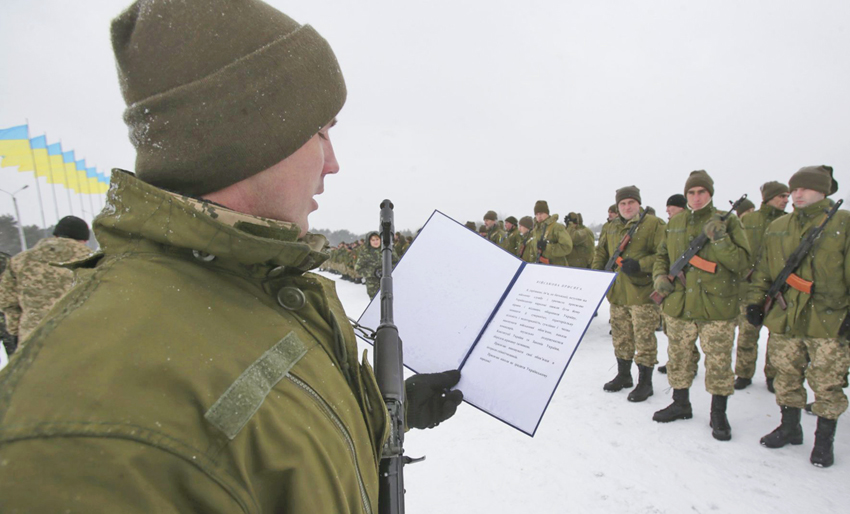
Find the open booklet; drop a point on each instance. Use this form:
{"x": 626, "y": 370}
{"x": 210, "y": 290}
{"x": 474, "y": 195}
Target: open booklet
{"x": 461, "y": 302}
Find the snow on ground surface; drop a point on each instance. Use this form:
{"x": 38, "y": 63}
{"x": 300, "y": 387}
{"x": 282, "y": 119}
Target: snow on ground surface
{"x": 597, "y": 452}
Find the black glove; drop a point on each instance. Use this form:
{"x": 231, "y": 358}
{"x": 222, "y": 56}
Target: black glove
{"x": 630, "y": 267}
{"x": 10, "y": 342}
{"x": 755, "y": 315}
{"x": 429, "y": 401}
{"x": 844, "y": 329}
{"x": 541, "y": 245}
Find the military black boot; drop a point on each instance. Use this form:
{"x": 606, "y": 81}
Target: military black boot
{"x": 769, "y": 382}
{"x": 663, "y": 369}
{"x": 719, "y": 424}
{"x": 822, "y": 456}
{"x": 623, "y": 378}
{"x": 679, "y": 409}
{"x": 644, "y": 387}
{"x": 742, "y": 383}
{"x": 789, "y": 431}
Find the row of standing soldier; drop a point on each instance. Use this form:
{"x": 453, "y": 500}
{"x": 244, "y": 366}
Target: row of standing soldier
{"x": 723, "y": 286}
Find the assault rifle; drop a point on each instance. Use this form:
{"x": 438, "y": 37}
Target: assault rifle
{"x": 787, "y": 277}
{"x": 615, "y": 257}
{"x": 690, "y": 257}
{"x": 389, "y": 374}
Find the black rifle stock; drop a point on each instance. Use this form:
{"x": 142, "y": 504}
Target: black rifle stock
{"x": 677, "y": 269}
{"x": 389, "y": 374}
{"x": 609, "y": 266}
{"x": 780, "y": 285}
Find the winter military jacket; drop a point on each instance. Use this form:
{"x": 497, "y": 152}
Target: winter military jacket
{"x": 369, "y": 263}
{"x": 705, "y": 296}
{"x": 755, "y": 223}
{"x": 827, "y": 265}
{"x": 527, "y": 249}
{"x": 582, "y": 254}
{"x": 512, "y": 240}
{"x": 630, "y": 289}
{"x": 558, "y": 241}
{"x": 31, "y": 285}
{"x": 196, "y": 367}
{"x": 496, "y": 235}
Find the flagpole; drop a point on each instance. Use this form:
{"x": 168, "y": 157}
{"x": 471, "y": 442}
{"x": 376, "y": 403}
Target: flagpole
{"x": 35, "y": 177}
{"x": 67, "y": 185}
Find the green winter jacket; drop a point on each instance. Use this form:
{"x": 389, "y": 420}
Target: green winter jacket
{"x": 497, "y": 235}
{"x": 819, "y": 314}
{"x": 582, "y": 238}
{"x": 512, "y": 241}
{"x": 558, "y": 241}
{"x": 527, "y": 249}
{"x": 630, "y": 289}
{"x": 706, "y": 296}
{"x": 755, "y": 223}
{"x": 172, "y": 379}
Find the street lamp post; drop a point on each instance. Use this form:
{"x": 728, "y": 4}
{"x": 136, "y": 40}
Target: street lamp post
{"x": 18, "y": 216}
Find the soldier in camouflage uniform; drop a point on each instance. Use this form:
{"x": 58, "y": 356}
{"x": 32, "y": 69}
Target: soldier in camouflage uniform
{"x": 400, "y": 245}
{"x": 612, "y": 212}
{"x": 553, "y": 241}
{"x": 482, "y": 231}
{"x": 634, "y": 316}
{"x": 774, "y": 199}
{"x": 705, "y": 306}
{"x": 495, "y": 232}
{"x": 31, "y": 285}
{"x": 527, "y": 249}
{"x": 9, "y": 342}
{"x": 582, "y": 254}
{"x": 369, "y": 264}
{"x": 513, "y": 236}
{"x": 809, "y": 338}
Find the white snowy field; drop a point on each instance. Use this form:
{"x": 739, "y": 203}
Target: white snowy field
{"x": 597, "y": 452}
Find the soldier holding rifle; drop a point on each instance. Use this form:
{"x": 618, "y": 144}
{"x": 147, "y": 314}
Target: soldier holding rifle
{"x": 199, "y": 366}
{"x": 701, "y": 302}
{"x": 627, "y": 244}
{"x": 802, "y": 282}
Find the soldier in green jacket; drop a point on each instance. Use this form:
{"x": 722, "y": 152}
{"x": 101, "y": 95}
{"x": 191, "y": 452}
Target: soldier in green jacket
{"x": 705, "y": 306}
{"x": 774, "y": 199}
{"x": 513, "y": 236}
{"x": 495, "y": 233}
{"x": 634, "y": 316}
{"x": 583, "y": 242}
{"x": 553, "y": 242}
{"x": 808, "y": 338}
{"x": 527, "y": 249}
{"x": 198, "y": 365}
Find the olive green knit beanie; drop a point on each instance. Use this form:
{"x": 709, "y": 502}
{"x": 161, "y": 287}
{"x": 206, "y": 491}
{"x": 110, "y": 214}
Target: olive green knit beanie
{"x": 744, "y": 206}
{"x": 628, "y": 192}
{"x": 699, "y": 178}
{"x": 511, "y": 220}
{"x": 526, "y": 222}
{"x": 541, "y": 206}
{"x": 490, "y": 215}
{"x": 613, "y": 208}
{"x": 816, "y": 178}
{"x": 772, "y": 189}
{"x": 219, "y": 90}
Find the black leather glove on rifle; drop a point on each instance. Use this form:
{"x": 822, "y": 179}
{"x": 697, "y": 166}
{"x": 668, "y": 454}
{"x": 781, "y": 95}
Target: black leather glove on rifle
{"x": 630, "y": 267}
{"x": 755, "y": 315}
{"x": 429, "y": 401}
{"x": 541, "y": 245}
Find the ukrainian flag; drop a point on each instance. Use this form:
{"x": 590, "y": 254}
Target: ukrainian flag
{"x": 103, "y": 182}
{"x": 70, "y": 166}
{"x": 15, "y": 148}
{"x": 57, "y": 164}
{"x": 40, "y": 156}
{"x": 82, "y": 179}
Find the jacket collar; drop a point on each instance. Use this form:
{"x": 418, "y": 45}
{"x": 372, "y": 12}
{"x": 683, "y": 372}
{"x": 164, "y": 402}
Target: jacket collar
{"x": 813, "y": 210}
{"x": 137, "y": 211}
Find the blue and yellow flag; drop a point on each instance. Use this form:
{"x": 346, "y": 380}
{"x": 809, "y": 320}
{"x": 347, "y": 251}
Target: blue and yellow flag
{"x": 70, "y": 168}
{"x": 40, "y": 157}
{"x": 57, "y": 164}
{"x": 82, "y": 179}
{"x": 15, "y": 148}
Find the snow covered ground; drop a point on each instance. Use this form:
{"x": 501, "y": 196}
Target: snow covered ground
{"x": 597, "y": 452}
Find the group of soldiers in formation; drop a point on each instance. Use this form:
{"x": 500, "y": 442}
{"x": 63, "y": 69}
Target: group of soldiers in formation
{"x": 724, "y": 282}
{"x": 705, "y": 272}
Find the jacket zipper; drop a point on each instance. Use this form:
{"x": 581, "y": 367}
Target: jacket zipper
{"x": 339, "y": 425}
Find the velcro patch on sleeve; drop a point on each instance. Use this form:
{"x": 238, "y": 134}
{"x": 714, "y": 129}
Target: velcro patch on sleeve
{"x": 244, "y": 397}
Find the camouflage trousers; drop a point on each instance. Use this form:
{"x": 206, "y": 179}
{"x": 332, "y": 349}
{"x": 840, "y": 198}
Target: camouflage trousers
{"x": 823, "y": 362}
{"x": 372, "y": 287}
{"x": 633, "y": 332}
{"x": 716, "y": 339}
{"x": 747, "y": 349}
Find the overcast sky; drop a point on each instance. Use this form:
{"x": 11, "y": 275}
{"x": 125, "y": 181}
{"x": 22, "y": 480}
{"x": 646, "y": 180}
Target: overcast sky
{"x": 466, "y": 106}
